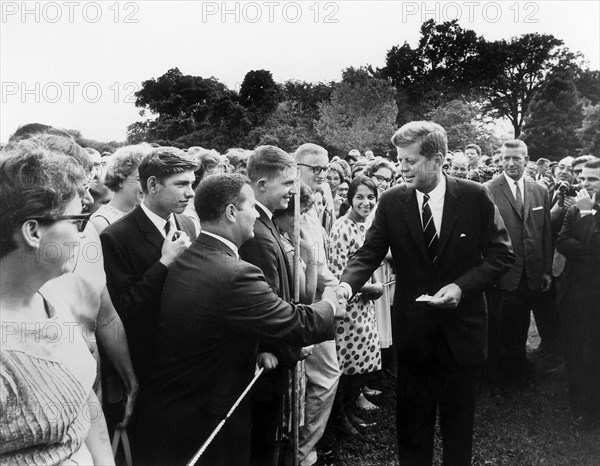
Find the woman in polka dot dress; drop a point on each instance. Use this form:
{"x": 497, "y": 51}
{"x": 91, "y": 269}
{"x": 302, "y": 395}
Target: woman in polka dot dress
{"x": 357, "y": 341}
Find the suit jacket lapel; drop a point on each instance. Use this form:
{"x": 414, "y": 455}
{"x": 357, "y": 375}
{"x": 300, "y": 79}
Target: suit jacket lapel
{"x": 152, "y": 234}
{"x": 413, "y": 219}
{"x": 264, "y": 218}
{"x": 450, "y": 213}
{"x": 509, "y": 195}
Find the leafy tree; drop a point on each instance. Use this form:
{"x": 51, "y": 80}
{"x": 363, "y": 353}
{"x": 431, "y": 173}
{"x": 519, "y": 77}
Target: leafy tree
{"x": 259, "y": 94}
{"x": 590, "y": 130}
{"x": 518, "y": 70}
{"x": 555, "y": 116}
{"x": 361, "y": 113}
{"x": 190, "y": 110}
{"x": 463, "y": 124}
{"x": 443, "y": 67}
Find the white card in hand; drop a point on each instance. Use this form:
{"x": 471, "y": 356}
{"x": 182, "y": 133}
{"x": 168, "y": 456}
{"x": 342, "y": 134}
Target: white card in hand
{"x": 424, "y": 298}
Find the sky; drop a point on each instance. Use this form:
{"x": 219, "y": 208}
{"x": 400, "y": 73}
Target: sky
{"x": 76, "y": 64}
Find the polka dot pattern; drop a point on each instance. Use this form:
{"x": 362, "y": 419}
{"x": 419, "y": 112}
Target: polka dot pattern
{"x": 356, "y": 338}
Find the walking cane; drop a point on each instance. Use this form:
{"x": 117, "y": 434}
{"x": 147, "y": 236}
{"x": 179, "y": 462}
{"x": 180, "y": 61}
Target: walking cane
{"x": 214, "y": 433}
{"x": 296, "y": 373}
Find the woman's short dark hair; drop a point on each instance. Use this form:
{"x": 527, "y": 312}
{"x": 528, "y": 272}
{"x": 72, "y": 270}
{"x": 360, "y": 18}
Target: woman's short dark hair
{"x": 123, "y": 163}
{"x": 34, "y": 182}
{"x": 360, "y": 180}
{"x": 163, "y": 162}
{"x": 216, "y": 192}
{"x": 377, "y": 163}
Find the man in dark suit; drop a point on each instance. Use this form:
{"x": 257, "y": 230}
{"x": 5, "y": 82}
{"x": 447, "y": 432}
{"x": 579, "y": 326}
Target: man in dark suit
{"x": 578, "y": 298}
{"x": 214, "y": 309}
{"x": 448, "y": 243}
{"x": 272, "y": 174}
{"x": 525, "y": 209}
{"x": 139, "y": 249}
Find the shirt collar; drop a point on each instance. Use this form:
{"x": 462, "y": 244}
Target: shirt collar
{"x": 511, "y": 181}
{"x": 267, "y": 211}
{"x": 157, "y": 220}
{"x": 435, "y": 194}
{"x": 225, "y": 241}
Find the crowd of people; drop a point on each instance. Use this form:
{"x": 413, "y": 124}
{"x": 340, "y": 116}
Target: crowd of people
{"x": 142, "y": 291}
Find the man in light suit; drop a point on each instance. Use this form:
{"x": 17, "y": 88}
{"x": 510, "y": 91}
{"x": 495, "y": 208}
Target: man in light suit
{"x": 448, "y": 244}
{"x": 272, "y": 174}
{"x": 525, "y": 209}
{"x": 139, "y": 249}
{"x": 215, "y": 308}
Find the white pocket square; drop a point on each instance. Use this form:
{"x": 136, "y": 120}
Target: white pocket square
{"x": 462, "y": 235}
{"x": 538, "y": 208}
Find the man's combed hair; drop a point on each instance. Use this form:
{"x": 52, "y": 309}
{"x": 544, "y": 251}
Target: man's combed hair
{"x": 474, "y": 146}
{"x": 267, "y": 162}
{"x": 216, "y": 192}
{"x": 309, "y": 149}
{"x": 430, "y": 135}
{"x": 594, "y": 163}
{"x": 163, "y": 162}
{"x": 514, "y": 144}
{"x": 34, "y": 182}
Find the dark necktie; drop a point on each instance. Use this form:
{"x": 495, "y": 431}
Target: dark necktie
{"x": 429, "y": 233}
{"x": 519, "y": 199}
{"x": 167, "y": 228}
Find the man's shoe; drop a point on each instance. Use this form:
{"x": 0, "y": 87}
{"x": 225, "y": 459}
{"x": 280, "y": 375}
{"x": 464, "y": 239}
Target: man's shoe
{"x": 329, "y": 458}
{"x": 365, "y": 404}
{"x": 358, "y": 422}
{"x": 371, "y": 392}
{"x": 345, "y": 427}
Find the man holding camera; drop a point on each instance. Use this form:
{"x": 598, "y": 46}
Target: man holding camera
{"x": 579, "y": 241}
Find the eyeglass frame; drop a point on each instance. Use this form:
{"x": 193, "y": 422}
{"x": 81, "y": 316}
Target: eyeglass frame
{"x": 82, "y": 220}
{"x": 381, "y": 179}
{"x": 314, "y": 168}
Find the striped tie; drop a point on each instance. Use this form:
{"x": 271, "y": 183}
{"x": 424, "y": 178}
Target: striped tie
{"x": 429, "y": 233}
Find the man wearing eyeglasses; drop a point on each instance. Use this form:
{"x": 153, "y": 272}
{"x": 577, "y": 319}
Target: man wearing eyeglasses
{"x": 322, "y": 367}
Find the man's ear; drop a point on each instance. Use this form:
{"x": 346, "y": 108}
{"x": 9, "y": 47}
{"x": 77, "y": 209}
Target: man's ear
{"x": 230, "y": 213}
{"x": 152, "y": 184}
{"x": 30, "y": 234}
{"x": 439, "y": 158}
{"x": 262, "y": 185}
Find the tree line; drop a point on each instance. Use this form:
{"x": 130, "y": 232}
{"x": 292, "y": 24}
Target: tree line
{"x": 453, "y": 76}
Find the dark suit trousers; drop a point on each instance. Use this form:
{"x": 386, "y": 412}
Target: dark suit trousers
{"x": 510, "y": 313}
{"x": 428, "y": 379}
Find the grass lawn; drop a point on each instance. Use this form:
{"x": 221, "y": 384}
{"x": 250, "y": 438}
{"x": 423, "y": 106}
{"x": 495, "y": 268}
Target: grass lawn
{"x": 528, "y": 427}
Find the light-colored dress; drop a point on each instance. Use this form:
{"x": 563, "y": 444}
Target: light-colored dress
{"x": 356, "y": 338}
{"x": 385, "y": 275}
{"x": 108, "y": 213}
{"x": 46, "y": 375}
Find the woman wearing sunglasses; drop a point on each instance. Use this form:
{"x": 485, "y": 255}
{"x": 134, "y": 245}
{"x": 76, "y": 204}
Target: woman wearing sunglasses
{"x": 49, "y": 413}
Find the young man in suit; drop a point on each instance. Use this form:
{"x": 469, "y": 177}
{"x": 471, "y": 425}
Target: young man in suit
{"x": 525, "y": 208}
{"x": 139, "y": 249}
{"x": 578, "y": 292}
{"x": 448, "y": 244}
{"x": 272, "y": 174}
{"x": 215, "y": 308}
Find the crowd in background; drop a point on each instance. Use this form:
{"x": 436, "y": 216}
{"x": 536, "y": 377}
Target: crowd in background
{"x": 89, "y": 240}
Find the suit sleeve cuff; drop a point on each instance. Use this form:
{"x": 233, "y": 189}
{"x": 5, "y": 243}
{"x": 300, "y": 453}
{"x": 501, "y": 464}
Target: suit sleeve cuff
{"x": 347, "y": 287}
{"x": 332, "y": 304}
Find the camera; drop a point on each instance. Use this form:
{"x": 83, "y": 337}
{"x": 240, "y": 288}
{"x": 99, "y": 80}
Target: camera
{"x": 567, "y": 189}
